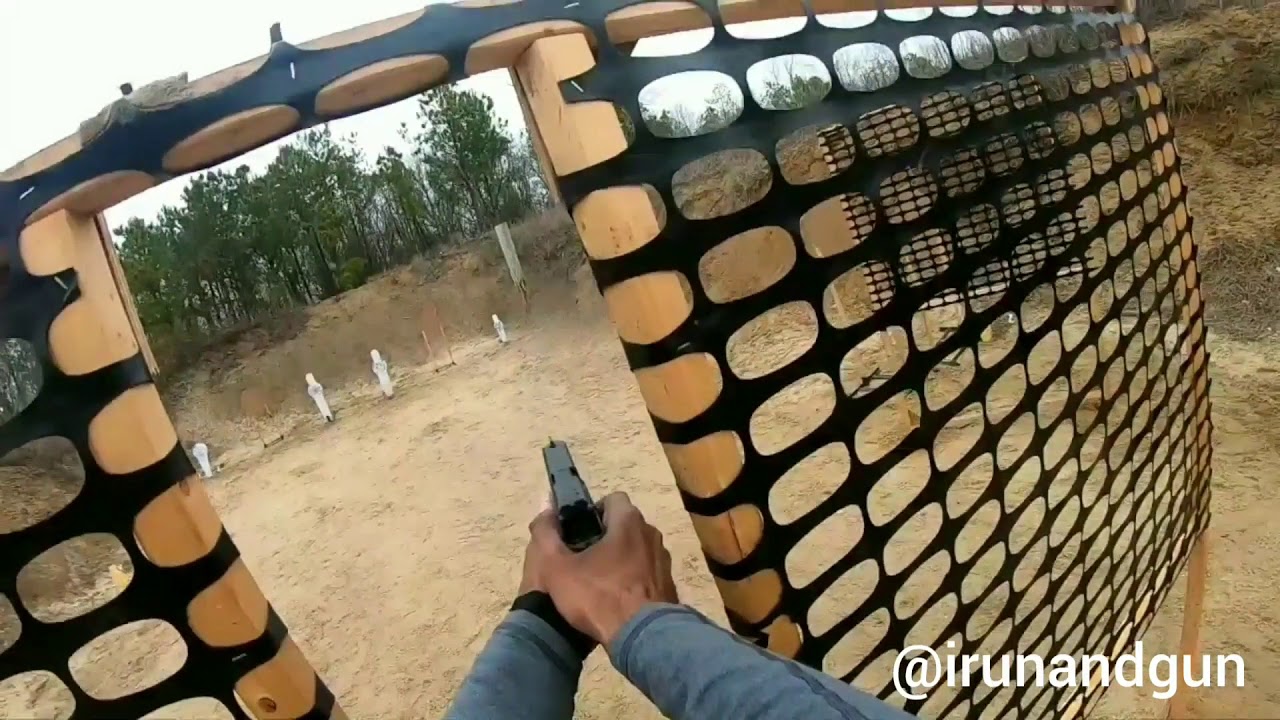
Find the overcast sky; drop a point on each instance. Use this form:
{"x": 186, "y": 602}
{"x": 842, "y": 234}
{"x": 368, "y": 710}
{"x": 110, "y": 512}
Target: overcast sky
{"x": 61, "y": 61}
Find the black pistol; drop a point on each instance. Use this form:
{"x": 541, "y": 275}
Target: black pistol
{"x": 581, "y": 523}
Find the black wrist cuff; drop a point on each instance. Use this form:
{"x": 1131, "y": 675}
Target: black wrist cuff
{"x": 541, "y": 605}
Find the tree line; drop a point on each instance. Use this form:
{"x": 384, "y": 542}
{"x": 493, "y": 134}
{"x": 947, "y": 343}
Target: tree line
{"x": 715, "y": 105}
{"x": 323, "y": 217}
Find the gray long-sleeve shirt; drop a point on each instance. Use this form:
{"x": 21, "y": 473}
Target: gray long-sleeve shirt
{"x": 689, "y": 667}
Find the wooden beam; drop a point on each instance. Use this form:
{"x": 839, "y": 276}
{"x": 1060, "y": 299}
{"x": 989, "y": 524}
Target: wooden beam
{"x": 122, "y": 290}
{"x": 1182, "y": 704}
{"x": 539, "y": 145}
{"x": 504, "y": 48}
{"x": 576, "y": 135}
{"x": 94, "y": 330}
{"x": 105, "y": 317}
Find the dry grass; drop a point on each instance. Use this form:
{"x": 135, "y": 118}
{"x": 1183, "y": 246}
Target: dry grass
{"x": 1220, "y": 71}
{"x": 1219, "y": 60}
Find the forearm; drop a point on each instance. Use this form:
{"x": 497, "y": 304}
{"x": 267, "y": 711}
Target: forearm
{"x": 527, "y": 670}
{"x": 691, "y": 668}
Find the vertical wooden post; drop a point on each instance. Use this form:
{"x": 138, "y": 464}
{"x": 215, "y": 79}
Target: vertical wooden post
{"x": 1182, "y": 704}
{"x": 122, "y": 289}
{"x": 96, "y": 329}
{"x": 427, "y": 343}
{"x": 509, "y": 253}
{"x": 616, "y": 220}
{"x": 431, "y": 319}
{"x": 539, "y": 145}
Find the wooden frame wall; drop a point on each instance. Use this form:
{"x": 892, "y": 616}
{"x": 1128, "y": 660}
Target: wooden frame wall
{"x": 134, "y": 431}
{"x": 617, "y": 220}
{"x": 383, "y": 82}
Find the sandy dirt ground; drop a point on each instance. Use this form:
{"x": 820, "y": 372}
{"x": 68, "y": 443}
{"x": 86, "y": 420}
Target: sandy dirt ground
{"x": 390, "y": 541}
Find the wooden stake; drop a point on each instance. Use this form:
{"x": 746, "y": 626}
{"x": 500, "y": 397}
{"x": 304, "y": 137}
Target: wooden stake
{"x": 431, "y": 316}
{"x": 503, "y": 231}
{"x": 448, "y": 346}
{"x": 427, "y": 342}
{"x": 1182, "y": 704}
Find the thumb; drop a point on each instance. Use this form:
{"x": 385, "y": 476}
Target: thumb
{"x": 616, "y": 506}
{"x": 544, "y": 532}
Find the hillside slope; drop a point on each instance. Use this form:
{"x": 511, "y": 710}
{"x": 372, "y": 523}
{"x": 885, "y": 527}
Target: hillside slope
{"x": 251, "y": 386}
{"x": 1221, "y": 75}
